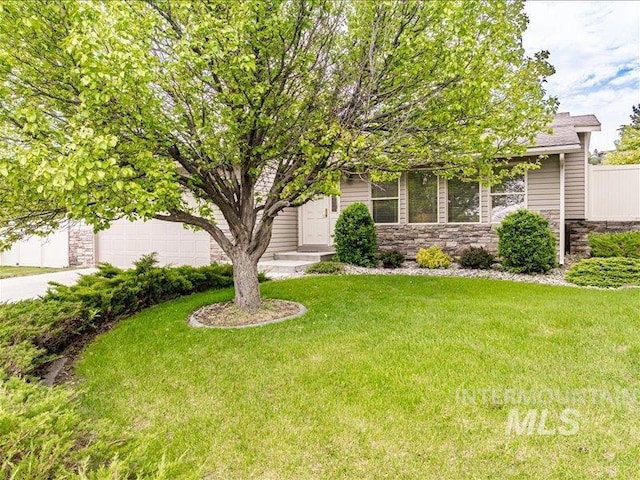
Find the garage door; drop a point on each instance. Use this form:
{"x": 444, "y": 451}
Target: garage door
{"x": 125, "y": 242}
{"x": 51, "y": 251}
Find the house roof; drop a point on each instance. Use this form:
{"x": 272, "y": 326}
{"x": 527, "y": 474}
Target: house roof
{"x": 565, "y": 129}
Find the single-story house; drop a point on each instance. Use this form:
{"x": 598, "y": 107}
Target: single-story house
{"x": 417, "y": 210}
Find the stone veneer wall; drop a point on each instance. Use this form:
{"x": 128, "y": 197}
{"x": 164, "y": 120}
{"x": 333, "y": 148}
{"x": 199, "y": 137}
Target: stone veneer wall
{"x": 577, "y": 231}
{"x": 451, "y": 237}
{"x": 81, "y": 246}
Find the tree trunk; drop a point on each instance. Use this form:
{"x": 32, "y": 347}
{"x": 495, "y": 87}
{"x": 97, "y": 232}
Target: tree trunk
{"x": 245, "y": 281}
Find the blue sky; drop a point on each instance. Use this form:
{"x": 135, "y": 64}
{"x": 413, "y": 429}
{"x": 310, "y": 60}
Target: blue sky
{"x": 595, "y": 48}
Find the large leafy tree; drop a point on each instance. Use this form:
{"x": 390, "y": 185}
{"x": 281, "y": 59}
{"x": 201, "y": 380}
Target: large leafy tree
{"x": 192, "y": 111}
{"x": 627, "y": 150}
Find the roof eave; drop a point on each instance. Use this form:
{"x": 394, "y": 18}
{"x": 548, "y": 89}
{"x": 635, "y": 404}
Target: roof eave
{"x": 593, "y": 128}
{"x": 575, "y": 148}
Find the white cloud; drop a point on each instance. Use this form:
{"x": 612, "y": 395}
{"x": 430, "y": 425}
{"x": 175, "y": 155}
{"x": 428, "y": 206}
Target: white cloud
{"x": 595, "y": 48}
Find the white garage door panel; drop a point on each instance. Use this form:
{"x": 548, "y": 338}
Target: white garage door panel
{"x": 125, "y": 242}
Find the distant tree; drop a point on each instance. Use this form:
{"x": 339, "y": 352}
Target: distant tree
{"x": 628, "y": 145}
{"x": 635, "y": 116}
{"x": 596, "y": 157}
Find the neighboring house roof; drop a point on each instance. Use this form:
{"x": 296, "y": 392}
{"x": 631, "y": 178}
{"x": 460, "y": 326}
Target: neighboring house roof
{"x": 564, "y": 134}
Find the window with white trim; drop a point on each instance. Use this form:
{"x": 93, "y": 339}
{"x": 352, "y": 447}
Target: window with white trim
{"x": 507, "y": 197}
{"x": 384, "y": 201}
{"x": 463, "y": 201}
{"x": 422, "y": 192}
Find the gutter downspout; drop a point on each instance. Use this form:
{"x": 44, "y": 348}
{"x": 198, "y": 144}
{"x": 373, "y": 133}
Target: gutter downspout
{"x": 562, "y": 212}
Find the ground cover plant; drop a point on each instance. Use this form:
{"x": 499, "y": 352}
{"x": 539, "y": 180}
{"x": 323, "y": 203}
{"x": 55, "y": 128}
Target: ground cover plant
{"x": 45, "y": 435}
{"x": 325, "y": 268}
{"x": 611, "y": 272}
{"x": 366, "y": 384}
{"x": 625, "y": 244}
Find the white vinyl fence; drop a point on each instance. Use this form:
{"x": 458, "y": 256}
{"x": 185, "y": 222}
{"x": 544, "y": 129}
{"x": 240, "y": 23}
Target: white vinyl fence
{"x": 614, "y": 192}
{"x": 52, "y": 251}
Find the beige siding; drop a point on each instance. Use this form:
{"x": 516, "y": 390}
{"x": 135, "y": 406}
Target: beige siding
{"x": 543, "y": 192}
{"x": 543, "y": 186}
{"x": 442, "y": 200}
{"x": 574, "y": 181}
{"x": 284, "y": 237}
{"x": 484, "y": 204}
{"x": 402, "y": 200}
{"x": 358, "y": 189}
{"x": 353, "y": 189}
{"x": 285, "y": 232}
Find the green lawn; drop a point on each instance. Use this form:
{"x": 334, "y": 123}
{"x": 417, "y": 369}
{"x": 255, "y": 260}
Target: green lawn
{"x": 364, "y": 385}
{"x": 9, "y": 271}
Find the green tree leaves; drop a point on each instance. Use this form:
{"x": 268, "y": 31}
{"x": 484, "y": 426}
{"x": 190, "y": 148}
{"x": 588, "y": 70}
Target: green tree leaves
{"x": 180, "y": 109}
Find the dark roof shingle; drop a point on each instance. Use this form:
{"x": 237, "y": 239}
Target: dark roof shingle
{"x": 565, "y": 130}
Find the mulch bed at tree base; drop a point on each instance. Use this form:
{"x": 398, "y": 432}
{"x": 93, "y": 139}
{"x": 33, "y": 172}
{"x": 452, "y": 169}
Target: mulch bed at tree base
{"x": 227, "y": 315}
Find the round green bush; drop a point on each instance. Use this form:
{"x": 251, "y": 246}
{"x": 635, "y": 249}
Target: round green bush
{"x": 526, "y": 243}
{"x": 476, "y": 257}
{"x": 605, "y": 272}
{"x": 355, "y": 236}
{"x": 391, "y": 258}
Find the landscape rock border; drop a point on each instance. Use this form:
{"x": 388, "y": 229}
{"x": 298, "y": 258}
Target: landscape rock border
{"x": 553, "y": 277}
{"x": 193, "y": 322}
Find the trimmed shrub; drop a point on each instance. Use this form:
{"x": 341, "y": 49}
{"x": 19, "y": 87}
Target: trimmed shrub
{"x": 474, "y": 257}
{"x": 355, "y": 236}
{"x": 433, "y": 257}
{"x": 526, "y": 243}
{"x": 44, "y": 436}
{"x": 33, "y": 332}
{"x": 325, "y": 268}
{"x": 112, "y": 292}
{"x": 626, "y": 244}
{"x": 42, "y": 433}
{"x": 605, "y": 272}
{"x": 391, "y": 258}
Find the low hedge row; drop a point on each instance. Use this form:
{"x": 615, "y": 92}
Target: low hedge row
{"x": 625, "y": 244}
{"x": 605, "y": 272}
{"x": 43, "y": 435}
{"x": 32, "y": 332}
{"x": 325, "y": 268}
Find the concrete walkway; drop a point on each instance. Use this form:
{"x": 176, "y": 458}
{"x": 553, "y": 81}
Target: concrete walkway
{"x": 33, "y": 286}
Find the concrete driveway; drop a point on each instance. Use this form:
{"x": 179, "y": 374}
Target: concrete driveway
{"x": 33, "y": 286}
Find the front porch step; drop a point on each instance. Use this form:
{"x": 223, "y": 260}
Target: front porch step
{"x": 283, "y": 267}
{"x": 313, "y": 257}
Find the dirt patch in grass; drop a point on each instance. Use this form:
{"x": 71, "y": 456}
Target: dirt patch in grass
{"x": 226, "y": 314}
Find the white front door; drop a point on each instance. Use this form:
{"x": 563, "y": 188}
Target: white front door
{"x": 317, "y": 221}
{"x": 315, "y": 227}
